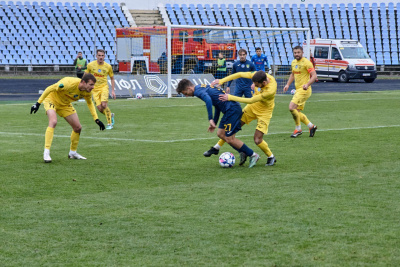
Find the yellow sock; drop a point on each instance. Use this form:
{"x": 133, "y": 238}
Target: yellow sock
{"x": 304, "y": 119}
{"x": 107, "y": 112}
{"x": 74, "y": 140}
{"x": 221, "y": 142}
{"x": 48, "y": 137}
{"x": 296, "y": 116}
{"x": 264, "y": 147}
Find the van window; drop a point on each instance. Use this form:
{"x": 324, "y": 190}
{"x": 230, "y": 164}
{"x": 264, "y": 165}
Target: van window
{"x": 335, "y": 53}
{"x": 321, "y": 52}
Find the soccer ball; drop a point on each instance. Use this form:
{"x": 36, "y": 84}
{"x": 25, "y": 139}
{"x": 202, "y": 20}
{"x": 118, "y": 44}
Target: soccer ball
{"x": 139, "y": 96}
{"x": 226, "y": 160}
{"x": 293, "y": 91}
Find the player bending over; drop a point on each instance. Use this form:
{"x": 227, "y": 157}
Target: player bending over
{"x": 230, "y": 122}
{"x": 57, "y": 99}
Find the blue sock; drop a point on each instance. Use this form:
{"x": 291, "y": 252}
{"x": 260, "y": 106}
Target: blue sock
{"x": 248, "y": 151}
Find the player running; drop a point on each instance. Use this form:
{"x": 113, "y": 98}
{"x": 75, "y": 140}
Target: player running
{"x": 260, "y": 60}
{"x": 303, "y": 73}
{"x": 230, "y": 122}
{"x": 101, "y": 69}
{"x": 57, "y": 99}
{"x": 259, "y": 107}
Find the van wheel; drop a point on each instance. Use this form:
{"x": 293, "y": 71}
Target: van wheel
{"x": 370, "y": 80}
{"x": 343, "y": 77}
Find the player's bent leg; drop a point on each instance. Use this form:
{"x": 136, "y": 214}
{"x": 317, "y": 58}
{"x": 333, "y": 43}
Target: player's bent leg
{"x": 73, "y": 120}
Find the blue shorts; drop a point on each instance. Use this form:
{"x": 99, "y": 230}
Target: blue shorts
{"x": 231, "y": 120}
{"x": 246, "y": 92}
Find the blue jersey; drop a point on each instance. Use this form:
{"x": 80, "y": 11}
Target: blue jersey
{"x": 242, "y": 84}
{"x": 210, "y": 95}
{"x": 259, "y": 62}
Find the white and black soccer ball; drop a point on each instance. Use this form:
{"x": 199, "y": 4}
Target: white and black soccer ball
{"x": 226, "y": 160}
{"x": 293, "y": 91}
{"x": 139, "y": 96}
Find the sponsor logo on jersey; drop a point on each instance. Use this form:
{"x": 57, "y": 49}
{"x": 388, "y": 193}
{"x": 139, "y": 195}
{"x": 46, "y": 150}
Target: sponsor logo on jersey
{"x": 99, "y": 70}
{"x": 242, "y": 65}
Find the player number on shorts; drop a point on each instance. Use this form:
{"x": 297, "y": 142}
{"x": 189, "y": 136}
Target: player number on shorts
{"x": 228, "y": 127}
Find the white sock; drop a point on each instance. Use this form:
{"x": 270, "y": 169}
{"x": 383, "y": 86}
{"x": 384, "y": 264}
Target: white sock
{"x": 310, "y": 125}
{"x": 72, "y": 152}
{"x": 217, "y": 146}
{"x": 298, "y": 128}
{"x": 47, "y": 150}
{"x": 271, "y": 156}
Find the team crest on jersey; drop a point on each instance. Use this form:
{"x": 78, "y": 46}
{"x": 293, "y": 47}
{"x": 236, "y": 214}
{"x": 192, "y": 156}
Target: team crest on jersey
{"x": 248, "y": 66}
{"x": 75, "y": 96}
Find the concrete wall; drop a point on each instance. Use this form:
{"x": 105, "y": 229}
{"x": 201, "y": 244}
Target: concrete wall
{"x": 152, "y": 4}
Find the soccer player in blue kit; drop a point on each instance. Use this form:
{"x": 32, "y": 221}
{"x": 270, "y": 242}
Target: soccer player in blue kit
{"x": 230, "y": 123}
{"x": 260, "y": 60}
{"x": 243, "y": 85}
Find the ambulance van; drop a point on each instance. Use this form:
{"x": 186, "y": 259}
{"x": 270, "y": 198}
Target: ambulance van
{"x": 342, "y": 60}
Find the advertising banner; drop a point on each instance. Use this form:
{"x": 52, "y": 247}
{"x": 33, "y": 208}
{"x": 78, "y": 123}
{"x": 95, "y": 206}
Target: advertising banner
{"x": 128, "y": 85}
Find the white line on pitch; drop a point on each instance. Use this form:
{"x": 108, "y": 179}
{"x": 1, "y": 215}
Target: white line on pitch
{"x": 191, "y": 139}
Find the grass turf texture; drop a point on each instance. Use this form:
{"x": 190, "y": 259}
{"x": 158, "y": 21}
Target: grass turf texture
{"x": 331, "y": 200}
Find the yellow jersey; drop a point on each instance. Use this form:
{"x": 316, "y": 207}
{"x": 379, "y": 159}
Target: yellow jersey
{"x": 66, "y": 91}
{"x": 263, "y": 100}
{"x": 100, "y": 72}
{"x": 301, "y": 70}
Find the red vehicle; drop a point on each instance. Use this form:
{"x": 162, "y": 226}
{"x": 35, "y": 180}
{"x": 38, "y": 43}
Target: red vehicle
{"x": 193, "y": 50}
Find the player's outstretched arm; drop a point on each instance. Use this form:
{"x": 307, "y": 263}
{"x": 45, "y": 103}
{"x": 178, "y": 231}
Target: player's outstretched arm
{"x": 247, "y": 75}
{"x": 35, "y": 107}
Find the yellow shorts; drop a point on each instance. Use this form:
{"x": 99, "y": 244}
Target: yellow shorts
{"x": 62, "y": 111}
{"x": 263, "y": 119}
{"x": 300, "y": 99}
{"x": 100, "y": 95}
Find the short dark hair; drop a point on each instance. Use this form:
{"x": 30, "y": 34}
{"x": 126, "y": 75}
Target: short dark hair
{"x": 298, "y": 47}
{"x": 259, "y": 77}
{"x": 88, "y": 77}
{"x": 258, "y": 48}
{"x": 101, "y": 51}
{"x": 182, "y": 85}
{"x": 242, "y": 50}
{"x": 79, "y": 52}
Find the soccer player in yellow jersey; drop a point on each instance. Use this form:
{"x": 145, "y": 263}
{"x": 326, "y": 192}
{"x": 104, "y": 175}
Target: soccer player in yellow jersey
{"x": 101, "y": 70}
{"x": 57, "y": 99}
{"x": 303, "y": 74}
{"x": 259, "y": 107}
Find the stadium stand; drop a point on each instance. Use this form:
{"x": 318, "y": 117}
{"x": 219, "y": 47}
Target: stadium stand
{"x": 52, "y": 33}
{"x": 49, "y": 33}
{"x": 374, "y": 25}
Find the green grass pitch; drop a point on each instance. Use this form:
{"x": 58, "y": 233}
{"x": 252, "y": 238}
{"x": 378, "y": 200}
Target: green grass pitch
{"x": 146, "y": 196}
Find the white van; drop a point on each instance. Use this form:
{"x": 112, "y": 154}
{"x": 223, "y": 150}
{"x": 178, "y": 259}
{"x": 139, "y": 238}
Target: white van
{"x": 342, "y": 60}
